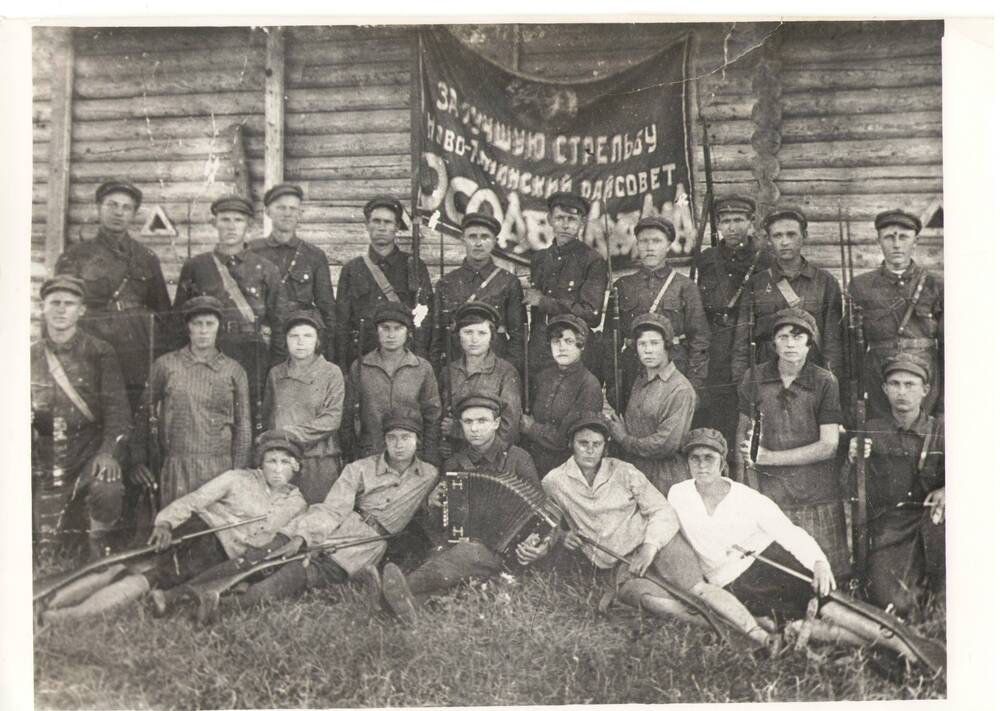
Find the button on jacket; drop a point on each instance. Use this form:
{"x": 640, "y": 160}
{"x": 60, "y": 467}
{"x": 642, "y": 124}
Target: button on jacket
{"x": 895, "y": 457}
{"x": 498, "y": 378}
{"x": 257, "y": 278}
{"x": 562, "y": 394}
{"x": 498, "y": 458}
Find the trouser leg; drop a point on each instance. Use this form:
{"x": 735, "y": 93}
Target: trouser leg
{"x": 105, "y": 600}
{"x": 450, "y": 566}
{"x": 895, "y": 562}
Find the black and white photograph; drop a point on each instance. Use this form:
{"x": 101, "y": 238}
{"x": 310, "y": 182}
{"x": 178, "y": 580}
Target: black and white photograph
{"x": 505, "y": 363}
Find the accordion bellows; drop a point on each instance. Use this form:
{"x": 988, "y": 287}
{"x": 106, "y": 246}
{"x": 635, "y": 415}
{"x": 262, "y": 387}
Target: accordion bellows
{"x": 498, "y": 510}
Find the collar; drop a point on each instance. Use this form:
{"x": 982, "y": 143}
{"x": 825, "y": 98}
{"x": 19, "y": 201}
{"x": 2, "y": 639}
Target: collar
{"x": 285, "y": 490}
{"x": 660, "y": 273}
{"x": 604, "y": 472}
{"x": 805, "y": 379}
{"x": 292, "y": 243}
{"x": 116, "y": 244}
{"x": 920, "y": 426}
{"x": 490, "y": 364}
{"x": 62, "y": 347}
{"x": 664, "y": 372}
{"x": 744, "y": 251}
{"x": 214, "y": 362}
{"x": 481, "y": 273}
{"x": 570, "y": 370}
{"x": 382, "y": 467}
{"x": 806, "y": 270}
{"x": 379, "y": 259}
{"x": 374, "y": 358}
{"x": 491, "y": 455}
{"x": 239, "y": 256}
{"x": 304, "y": 373}
{"x": 907, "y": 274}
{"x": 574, "y": 245}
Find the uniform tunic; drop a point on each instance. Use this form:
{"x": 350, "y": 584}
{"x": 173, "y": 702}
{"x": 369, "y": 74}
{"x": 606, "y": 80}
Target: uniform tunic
{"x": 884, "y": 299}
{"x": 658, "y": 416}
{"x": 304, "y": 285}
{"x": 561, "y": 395}
{"x": 124, "y": 285}
{"x": 503, "y": 292}
{"x": 498, "y": 378}
{"x": 572, "y": 278}
{"x": 820, "y": 296}
{"x": 375, "y": 390}
{"x": 307, "y": 402}
{"x": 791, "y": 417}
{"x": 358, "y": 294}
{"x": 204, "y": 419}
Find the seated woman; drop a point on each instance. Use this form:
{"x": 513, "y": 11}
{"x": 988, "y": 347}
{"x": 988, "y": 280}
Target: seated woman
{"x": 720, "y": 517}
{"x": 235, "y": 495}
{"x": 304, "y": 397}
{"x": 479, "y": 370}
{"x": 564, "y": 390}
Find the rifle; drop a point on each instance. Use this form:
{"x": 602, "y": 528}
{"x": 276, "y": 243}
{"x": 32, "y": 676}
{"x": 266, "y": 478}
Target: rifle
{"x": 752, "y": 478}
{"x": 447, "y": 353}
{"x": 258, "y": 374}
{"x": 930, "y": 652}
{"x": 356, "y": 423}
{"x": 50, "y": 584}
{"x": 153, "y": 455}
{"x": 707, "y": 211}
{"x": 525, "y": 377}
{"x": 611, "y": 319}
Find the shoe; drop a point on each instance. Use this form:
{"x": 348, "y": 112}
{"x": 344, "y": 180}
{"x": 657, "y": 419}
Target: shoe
{"x": 397, "y": 593}
{"x": 158, "y": 600}
{"x": 371, "y": 583}
{"x": 208, "y": 608}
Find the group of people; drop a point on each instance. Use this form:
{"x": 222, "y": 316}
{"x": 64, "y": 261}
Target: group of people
{"x": 361, "y": 401}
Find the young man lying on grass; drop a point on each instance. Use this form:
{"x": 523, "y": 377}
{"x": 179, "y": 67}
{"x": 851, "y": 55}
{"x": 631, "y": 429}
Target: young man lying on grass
{"x": 235, "y": 495}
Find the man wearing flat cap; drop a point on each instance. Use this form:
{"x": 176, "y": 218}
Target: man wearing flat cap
{"x": 724, "y": 273}
{"x": 902, "y": 307}
{"x": 79, "y": 413}
{"x": 567, "y": 277}
{"x": 480, "y": 279}
{"x": 905, "y": 489}
{"x": 384, "y": 273}
{"x": 304, "y": 269}
{"x": 123, "y": 286}
{"x": 657, "y": 288}
{"x": 247, "y": 285}
{"x": 790, "y": 282}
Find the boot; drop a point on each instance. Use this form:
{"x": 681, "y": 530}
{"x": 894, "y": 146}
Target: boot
{"x": 397, "y": 593}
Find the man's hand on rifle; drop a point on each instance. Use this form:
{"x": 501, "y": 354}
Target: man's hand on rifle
{"x": 935, "y": 500}
{"x": 141, "y": 476}
{"x": 265, "y": 334}
{"x": 104, "y": 467}
{"x": 572, "y": 540}
{"x": 447, "y": 424}
{"x": 823, "y": 580}
{"x": 435, "y": 499}
{"x": 642, "y": 559}
{"x": 617, "y": 426}
{"x": 852, "y": 449}
{"x": 161, "y": 537}
{"x": 527, "y": 421}
{"x": 533, "y": 548}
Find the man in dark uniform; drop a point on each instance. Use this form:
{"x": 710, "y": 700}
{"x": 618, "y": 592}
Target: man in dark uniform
{"x": 902, "y": 308}
{"x": 657, "y": 288}
{"x": 79, "y": 413}
{"x": 724, "y": 272}
{"x": 480, "y": 279}
{"x": 124, "y": 287}
{"x": 247, "y": 285}
{"x": 568, "y": 277}
{"x": 906, "y": 499}
{"x": 383, "y": 273}
{"x": 305, "y": 271}
{"x": 790, "y": 282}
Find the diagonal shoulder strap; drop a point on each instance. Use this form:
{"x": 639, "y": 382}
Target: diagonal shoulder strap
{"x": 475, "y": 295}
{"x": 233, "y": 291}
{"x": 663, "y": 290}
{"x": 787, "y": 292}
{"x": 380, "y": 279}
{"x": 914, "y": 298}
{"x": 62, "y": 380}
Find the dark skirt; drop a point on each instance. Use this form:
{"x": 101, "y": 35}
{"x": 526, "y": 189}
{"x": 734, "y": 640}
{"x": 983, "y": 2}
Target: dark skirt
{"x": 767, "y": 591}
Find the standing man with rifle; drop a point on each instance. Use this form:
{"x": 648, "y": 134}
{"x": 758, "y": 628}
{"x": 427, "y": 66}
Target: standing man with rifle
{"x": 903, "y": 309}
{"x": 304, "y": 269}
{"x": 383, "y": 274}
{"x": 724, "y": 273}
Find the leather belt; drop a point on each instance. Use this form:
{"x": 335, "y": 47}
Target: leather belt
{"x": 373, "y": 523}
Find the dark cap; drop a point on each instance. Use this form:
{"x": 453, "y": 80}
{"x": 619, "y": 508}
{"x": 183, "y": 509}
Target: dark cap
{"x": 796, "y": 317}
{"x": 386, "y": 201}
{"x": 118, "y": 186}
{"x": 785, "y": 213}
{"x": 202, "y": 305}
{"x": 568, "y": 201}
{"x": 474, "y": 399}
{"x": 393, "y": 311}
{"x": 476, "y": 312}
{"x": 567, "y": 321}
{"x": 704, "y": 437}
{"x": 303, "y": 316}
{"x": 656, "y": 223}
{"x": 232, "y": 203}
{"x": 655, "y": 320}
{"x": 591, "y": 421}
{"x": 478, "y": 218}
{"x": 898, "y": 217}
{"x": 63, "y": 282}
{"x": 277, "y": 439}
{"x": 909, "y": 363}
{"x": 403, "y": 419}
{"x": 280, "y": 190}
{"x": 735, "y": 203}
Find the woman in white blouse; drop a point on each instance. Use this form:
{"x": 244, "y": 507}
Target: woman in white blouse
{"x": 720, "y": 517}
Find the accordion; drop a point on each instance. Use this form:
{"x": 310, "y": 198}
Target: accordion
{"x": 498, "y": 510}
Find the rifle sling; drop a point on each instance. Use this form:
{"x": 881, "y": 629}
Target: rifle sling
{"x": 62, "y": 380}
{"x": 233, "y": 291}
{"x": 914, "y": 296}
{"x": 380, "y": 279}
{"x": 787, "y": 292}
{"x": 663, "y": 290}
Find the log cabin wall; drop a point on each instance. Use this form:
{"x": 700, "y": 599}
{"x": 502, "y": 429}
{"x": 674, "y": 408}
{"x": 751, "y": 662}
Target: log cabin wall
{"x": 839, "y": 116}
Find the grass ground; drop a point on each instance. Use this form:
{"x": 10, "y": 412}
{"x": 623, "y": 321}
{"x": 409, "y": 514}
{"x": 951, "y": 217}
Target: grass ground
{"x": 537, "y": 640}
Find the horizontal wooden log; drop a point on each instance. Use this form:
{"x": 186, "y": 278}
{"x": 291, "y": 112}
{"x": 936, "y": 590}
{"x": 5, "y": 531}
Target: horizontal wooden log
{"x": 41, "y": 88}
{"x": 852, "y": 102}
{"x": 158, "y": 128}
{"x": 732, "y": 157}
{"x": 359, "y": 167}
{"x": 346, "y": 144}
{"x": 152, "y": 65}
{"x": 868, "y": 46}
{"x": 144, "y": 150}
{"x": 362, "y": 121}
{"x": 347, "y": 99}
{"x": 139, "y": 40}
{"x": 204, "y": 104}
{"x": 827, "y": 232}
{"x": 192, "y": 81}
{"x": 713, "y": 106}
{"x": 149, "y": 171}
{"x": 902, "y": 124}
{"x": 887, "y": 75}
{"x": 346, "y": 33}
{"x": 821, "y": 208}
{"x": 355, "y": 74}
{"x": 869, "y": 186}
{"x": 198, "y": 211}
{"x": 828, "y": 257}
{"x": 896, "y": 151}
{"x": 327, "y": 53}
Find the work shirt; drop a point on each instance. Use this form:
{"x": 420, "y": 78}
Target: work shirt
{"x": 498, "y": 458}
{"x": 744, "y": 518}
{"x": 358, "y": 295}
{"x": 376, "y": 390}
{"x": 791, "y": 417}
{"x": 820, "y": 296}
{"x": 681, "y": 303}
{"x": 257, "y": 278}
{"x": 562, "y": 395}
{"x": 237, "y": 495}
{"x": 497, "y": 378}
{"x": 66, "y": 440}
{"x": 306, "y": 400}
{"x": 658, "y": 416}
{"x": 621, "y": 510}
{"x": 124, "y": 285}
{"x": 503, "y": 292}
{"x": 303, "y": 285}
{"x": 893, "y": 475}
